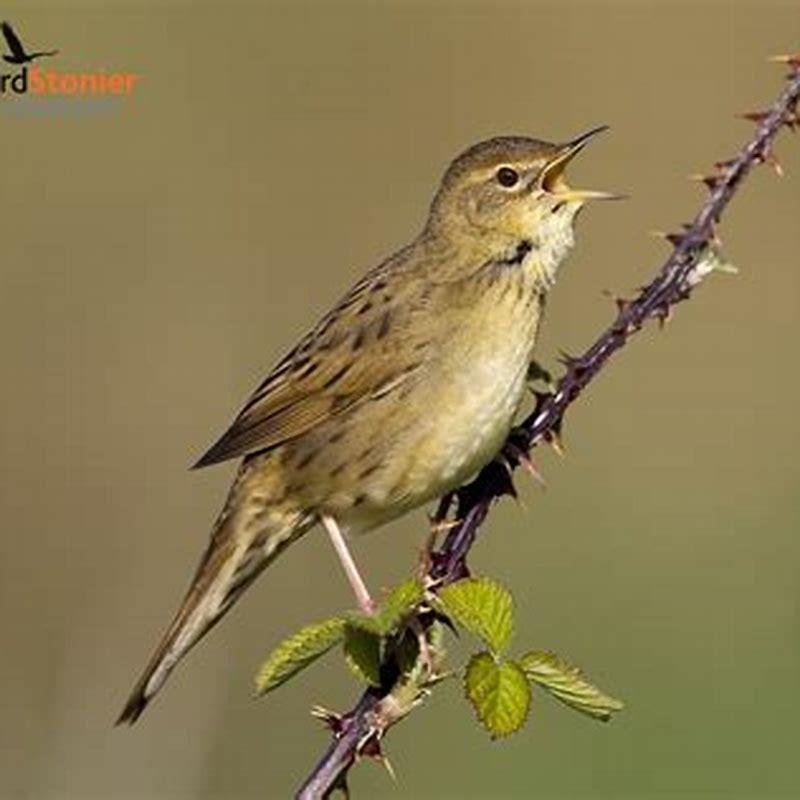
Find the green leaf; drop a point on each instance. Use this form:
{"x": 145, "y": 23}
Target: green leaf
{"x": 400, "y": 602}
{"x": 500, "y": 693}
{"x": 362, "y": 651}
{"x": 297, "y": 652}
{"x": 482, "y": 606}
{"x": 567, "y": 683}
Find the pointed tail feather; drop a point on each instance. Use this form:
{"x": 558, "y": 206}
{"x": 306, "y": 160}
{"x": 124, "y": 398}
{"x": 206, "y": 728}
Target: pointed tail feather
{"x": 193, "y": 619}
{"x": 234, "y": 559}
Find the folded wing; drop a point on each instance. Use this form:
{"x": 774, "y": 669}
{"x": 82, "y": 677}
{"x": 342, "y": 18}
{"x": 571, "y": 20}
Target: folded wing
{"x": 366, "y": 346}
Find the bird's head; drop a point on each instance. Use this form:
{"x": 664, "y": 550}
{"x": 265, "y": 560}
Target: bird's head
{"x": 508, "y": 189}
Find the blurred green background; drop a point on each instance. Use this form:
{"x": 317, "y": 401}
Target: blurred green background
{"x": 157, "y": 260}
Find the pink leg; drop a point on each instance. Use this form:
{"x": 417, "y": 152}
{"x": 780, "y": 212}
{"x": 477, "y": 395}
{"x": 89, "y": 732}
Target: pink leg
{"x": 363, "y": 598}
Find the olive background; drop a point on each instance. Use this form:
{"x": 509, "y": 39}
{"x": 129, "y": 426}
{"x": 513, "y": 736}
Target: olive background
{"x": 158, "y": 259}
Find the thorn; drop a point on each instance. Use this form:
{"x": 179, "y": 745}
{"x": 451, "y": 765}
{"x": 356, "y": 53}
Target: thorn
{"x": 664, "y": 315}
{"x": 754, "y": 116}
{"x": 772, "y": 160}
{"x": 767, "y": 156}
{"x": 711, "y": 181}
{"x": 792, "y": 121}
{"x": 442, "y": 526}
{"x": 573, "y": 364}
{"x": 370, "y": 747}
{"x": 621, "y": 303}
{"x": 553, "y": 438}
{"x": 792, "y": 60}
{"x": 658, "y": 234}
{"x": 330, "y": 719}
{"x": 370, "y": 744}
{"x": 503, "y": 482}
{"x": 527, "y": 462}
{"x": 673, "y": 238}
{"x": 439, "y": 677}
{"x": 387, "y": 765}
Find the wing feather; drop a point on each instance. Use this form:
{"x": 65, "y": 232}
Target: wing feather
{"x": 366, "y": 346}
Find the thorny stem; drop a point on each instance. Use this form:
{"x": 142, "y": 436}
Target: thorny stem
{"x": 358, "y": 732}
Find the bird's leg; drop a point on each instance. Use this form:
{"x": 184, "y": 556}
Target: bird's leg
{"x": 365, "y": 602}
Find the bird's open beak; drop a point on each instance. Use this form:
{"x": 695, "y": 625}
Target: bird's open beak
{"x": 552, "y": 176}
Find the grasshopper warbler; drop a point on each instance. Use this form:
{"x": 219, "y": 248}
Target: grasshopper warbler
{"x": 405, "y": 389}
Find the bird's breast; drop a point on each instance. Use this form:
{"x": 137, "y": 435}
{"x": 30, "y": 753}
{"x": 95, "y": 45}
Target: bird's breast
{"x": 466, "y": 408}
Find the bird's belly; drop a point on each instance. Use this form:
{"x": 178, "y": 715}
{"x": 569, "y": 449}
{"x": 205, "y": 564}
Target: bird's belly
{"x": 461, "y": 424}
{"x": 468, "y": 430}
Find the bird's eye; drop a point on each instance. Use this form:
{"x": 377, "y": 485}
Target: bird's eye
{"x": 507, "y": 177}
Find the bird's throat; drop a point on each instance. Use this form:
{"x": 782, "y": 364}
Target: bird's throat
{"x": 549, "y": 246}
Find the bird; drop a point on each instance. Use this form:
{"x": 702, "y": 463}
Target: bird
{"x": 406, "y": 388}
{"x": 18, "y": 55}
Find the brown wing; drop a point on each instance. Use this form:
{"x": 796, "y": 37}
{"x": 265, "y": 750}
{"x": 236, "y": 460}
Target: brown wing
{"x": 366, "y": 346}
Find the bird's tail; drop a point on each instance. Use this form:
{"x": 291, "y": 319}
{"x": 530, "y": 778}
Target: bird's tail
{"x": 242, "y": 545}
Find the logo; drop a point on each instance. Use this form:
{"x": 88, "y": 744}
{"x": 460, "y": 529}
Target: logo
{"x": 18, "y": 55}
{"x": 66, "y": 92}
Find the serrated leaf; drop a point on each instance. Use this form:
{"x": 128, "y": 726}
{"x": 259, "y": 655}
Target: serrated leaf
{"x": 482, "y": 606}
{"x": 567, "y": 683}
{"x": 297, "y": 652}
{"x": 399, "y": 603}
{"x": 499, "y": 693}
{"x": 362, "y": 651}
{"x": 402, "y": 600}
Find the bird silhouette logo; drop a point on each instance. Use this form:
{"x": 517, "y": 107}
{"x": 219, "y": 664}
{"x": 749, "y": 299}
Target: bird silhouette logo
{"x": 17, "y": 53}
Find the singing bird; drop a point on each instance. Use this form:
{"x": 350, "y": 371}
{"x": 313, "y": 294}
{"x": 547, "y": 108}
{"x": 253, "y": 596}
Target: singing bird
{"x": 405, "y": 389}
